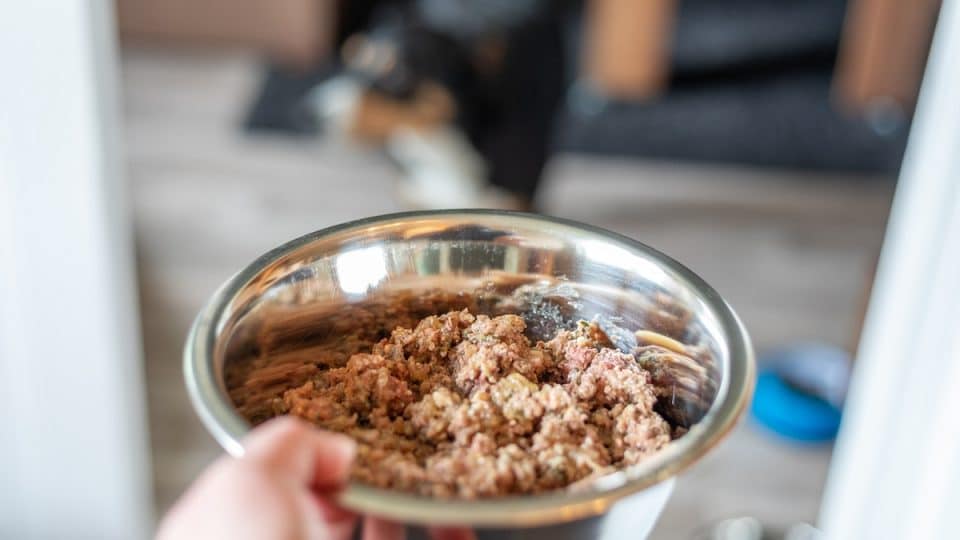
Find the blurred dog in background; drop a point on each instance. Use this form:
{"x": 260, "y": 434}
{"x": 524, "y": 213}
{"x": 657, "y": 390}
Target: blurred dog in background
{"x": 461, "y": 94}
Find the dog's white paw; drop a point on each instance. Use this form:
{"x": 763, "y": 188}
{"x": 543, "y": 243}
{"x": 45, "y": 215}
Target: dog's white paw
{"x": 335, "y": 102}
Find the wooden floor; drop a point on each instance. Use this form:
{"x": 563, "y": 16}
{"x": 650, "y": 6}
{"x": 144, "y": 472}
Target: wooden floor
{"x": 790, "y": 251}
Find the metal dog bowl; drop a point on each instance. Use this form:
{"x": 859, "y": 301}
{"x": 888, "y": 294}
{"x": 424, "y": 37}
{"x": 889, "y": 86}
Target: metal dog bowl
{"x": 551, "y": 271}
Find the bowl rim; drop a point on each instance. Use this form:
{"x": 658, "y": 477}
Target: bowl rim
{"x": 220, "y": 418}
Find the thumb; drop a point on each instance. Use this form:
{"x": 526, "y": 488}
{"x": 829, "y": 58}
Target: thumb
{"x": 297, "y": 450}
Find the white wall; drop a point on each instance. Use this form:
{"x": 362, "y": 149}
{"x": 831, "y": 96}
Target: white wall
{"x": 73, "y": 446}
{"x": 896, "y": 468}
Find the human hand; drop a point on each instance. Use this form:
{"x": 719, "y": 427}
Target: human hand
{"x": 280, "y": 489}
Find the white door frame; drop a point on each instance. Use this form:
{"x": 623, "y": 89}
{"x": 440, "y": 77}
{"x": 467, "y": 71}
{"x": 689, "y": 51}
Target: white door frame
{"x": 896, "y": 468}
{"x": 74, "y": 459}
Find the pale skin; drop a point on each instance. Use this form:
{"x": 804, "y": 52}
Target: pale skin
{"x": 281, "y": 489}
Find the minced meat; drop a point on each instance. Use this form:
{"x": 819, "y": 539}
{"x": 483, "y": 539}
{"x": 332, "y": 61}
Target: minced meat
{"x": 465, "y": 406}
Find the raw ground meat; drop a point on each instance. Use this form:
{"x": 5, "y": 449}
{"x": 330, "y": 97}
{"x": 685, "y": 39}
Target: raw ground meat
{"x": 465, "y": 406}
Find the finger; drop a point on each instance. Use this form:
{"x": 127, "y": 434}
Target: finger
{"x": 381, "y": 529}
{"x": 447, "y": 533}
{"x": 291, "y": 447}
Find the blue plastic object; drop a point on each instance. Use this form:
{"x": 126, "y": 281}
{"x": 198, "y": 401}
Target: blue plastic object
{"x": 792, "y": 413}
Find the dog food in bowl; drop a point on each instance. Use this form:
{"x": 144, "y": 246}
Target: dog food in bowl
{"x": 464, "y": 405}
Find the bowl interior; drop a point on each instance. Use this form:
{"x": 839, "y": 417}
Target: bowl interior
{"x": 317, "y": 289}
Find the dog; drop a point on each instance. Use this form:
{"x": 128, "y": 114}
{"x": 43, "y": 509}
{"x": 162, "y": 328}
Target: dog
{"x": 423, "y": 81}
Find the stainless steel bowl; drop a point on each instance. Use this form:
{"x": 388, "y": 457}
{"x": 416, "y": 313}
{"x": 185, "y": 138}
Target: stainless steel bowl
{"x": 551, "y": 270}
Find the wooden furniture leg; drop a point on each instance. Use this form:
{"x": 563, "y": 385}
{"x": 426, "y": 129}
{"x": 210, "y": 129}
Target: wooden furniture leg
{"x": 627, "y": 46}
{"x": 883, "y": 51}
